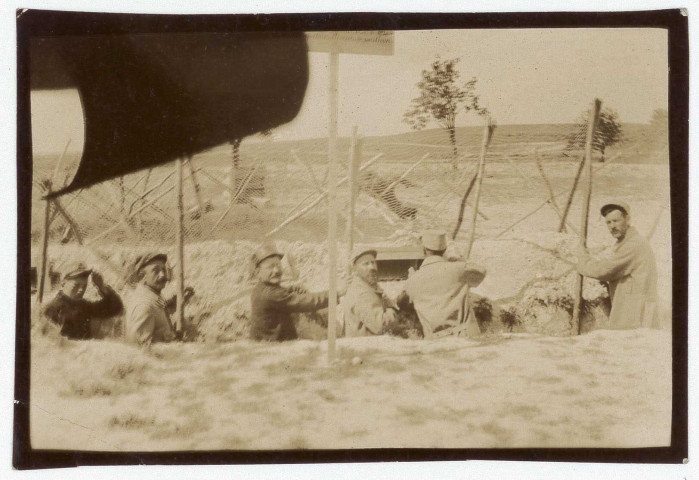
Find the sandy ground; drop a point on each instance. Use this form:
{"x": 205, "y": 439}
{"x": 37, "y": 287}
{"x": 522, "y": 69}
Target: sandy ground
{"x": 605, "y": 389}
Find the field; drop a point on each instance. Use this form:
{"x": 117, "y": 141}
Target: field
{"x": 529, "y": 382}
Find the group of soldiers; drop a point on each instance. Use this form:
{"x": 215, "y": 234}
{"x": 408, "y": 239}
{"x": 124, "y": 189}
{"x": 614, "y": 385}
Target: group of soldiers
{"x": 438, "y": 292}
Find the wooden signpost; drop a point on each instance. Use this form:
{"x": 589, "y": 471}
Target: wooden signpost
{"x": 591, "y": 127}
{"x": 364, "y": 43}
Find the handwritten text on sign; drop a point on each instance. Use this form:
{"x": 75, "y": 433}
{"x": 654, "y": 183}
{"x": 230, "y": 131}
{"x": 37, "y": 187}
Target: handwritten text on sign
{"x": 377, "y": 42}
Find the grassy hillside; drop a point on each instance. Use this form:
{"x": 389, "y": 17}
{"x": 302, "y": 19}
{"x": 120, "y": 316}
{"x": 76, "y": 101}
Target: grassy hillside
{"x": 641, "y": 145}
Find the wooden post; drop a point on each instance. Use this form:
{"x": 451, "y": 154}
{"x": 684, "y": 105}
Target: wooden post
{"x": 179, "y": 314}
{"x": 561, "y": 226}
{"x": 487, "y": 135}
{"x": 353, "y": 174}
{"x": 235, "y": 151}
{"x": 334, "y": 60}
{"x": 41, "y": 274}
{"x": 591, "y": 126}
{"x": 195, "y": 185}
{"x": 72, "y": 225}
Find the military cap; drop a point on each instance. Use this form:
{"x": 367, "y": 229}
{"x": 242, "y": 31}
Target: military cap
{"x": 434, "y": 240}
{"x": 143, "y": 260}
{"x": 76, "y": 270}
{"x": 615, "y": 204}
{"x": 359, "y": 251}
{"x": 264, "y": 251}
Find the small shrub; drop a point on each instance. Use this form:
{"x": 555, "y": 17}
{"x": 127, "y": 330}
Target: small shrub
{"x": 510, "y": 319}
{"x": 484, "y": 313}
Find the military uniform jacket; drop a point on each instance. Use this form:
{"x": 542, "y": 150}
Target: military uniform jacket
{"x": 631, "y": 273}
{"x": 272, "y": 306}
{"x": 147, "y": 320}
{"x": 437, "y": 291}
{"x": 365, "y": 309}
{"x": 74, "y": 315}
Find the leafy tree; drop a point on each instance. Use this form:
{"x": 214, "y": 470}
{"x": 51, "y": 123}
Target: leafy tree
{"x": 608, "y": 132}
{"x": 441, "y": 99}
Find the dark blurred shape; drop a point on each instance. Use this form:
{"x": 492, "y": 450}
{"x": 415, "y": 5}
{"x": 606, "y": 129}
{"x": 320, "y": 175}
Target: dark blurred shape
{"x": 148, "y": 99}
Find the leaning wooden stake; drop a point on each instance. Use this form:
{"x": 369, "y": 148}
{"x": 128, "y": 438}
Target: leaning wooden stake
{"x": 41, "y": 277}
{"x": 591, "y": 127}
{"x": 195, "y": 185}
{"x": 462, "y": 207}
{"x": 179, "y": 314}
{"x": 561, "y": 225}
{"x": 487, "y": 135}
{"x": 353, "y": 174}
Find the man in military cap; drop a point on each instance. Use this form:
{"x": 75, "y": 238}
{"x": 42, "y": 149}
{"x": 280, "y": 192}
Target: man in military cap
{"x": 148, "y": 313}
{"x": 365, "y": 307}
{"x": 439, "y": 289}
{"x": 273, "y": 304}
{"x": 71, "y": 312}
{"x": 630, "y": 272}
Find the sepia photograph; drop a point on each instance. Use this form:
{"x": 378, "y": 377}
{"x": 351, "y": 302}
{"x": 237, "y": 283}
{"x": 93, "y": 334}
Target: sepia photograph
{"x": 255, "y": 234}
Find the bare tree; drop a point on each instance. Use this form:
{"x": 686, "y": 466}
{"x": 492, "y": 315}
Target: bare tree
{"x": 441, "y": 99}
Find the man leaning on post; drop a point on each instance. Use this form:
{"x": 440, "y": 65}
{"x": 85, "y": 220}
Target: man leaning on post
{"x": 148, "y": 313}
{"x": 630, "y": 273}
{"x": 272, "y": 304}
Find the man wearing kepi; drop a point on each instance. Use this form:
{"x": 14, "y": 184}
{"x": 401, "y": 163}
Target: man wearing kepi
{"x": 148, "y": 313}
{"x": 630, "y": 272}
{"x": 439, "y": 289}
{"x": 273, "y": 304}
{"x": 70, "y": 311}
{"x": 365, "y": 307}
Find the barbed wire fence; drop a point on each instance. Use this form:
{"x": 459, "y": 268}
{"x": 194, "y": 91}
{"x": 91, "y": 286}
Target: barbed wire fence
{"x": 264, "y": 188}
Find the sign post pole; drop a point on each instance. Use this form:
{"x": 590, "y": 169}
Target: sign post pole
{"x": 334, "y": 60}
{"x": 591, "y": 127}
{"x": 375, "y": 42}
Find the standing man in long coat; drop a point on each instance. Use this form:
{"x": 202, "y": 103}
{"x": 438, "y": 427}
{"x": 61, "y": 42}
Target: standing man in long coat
{"x": 630, "y": 273}
{"x": 439, "y": 289}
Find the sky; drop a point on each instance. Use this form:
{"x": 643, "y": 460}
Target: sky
{"x": 524, "y": 76}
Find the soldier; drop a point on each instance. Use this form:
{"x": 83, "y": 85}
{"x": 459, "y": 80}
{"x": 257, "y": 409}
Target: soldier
{"x": 148, "y": 313}
{"x": 631, "y": 272}
{"x": 272, "y": 304}
{"x": 438, "y": 290}
{"x": 365, "y": 307}
{"x": 71, "y": 312}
